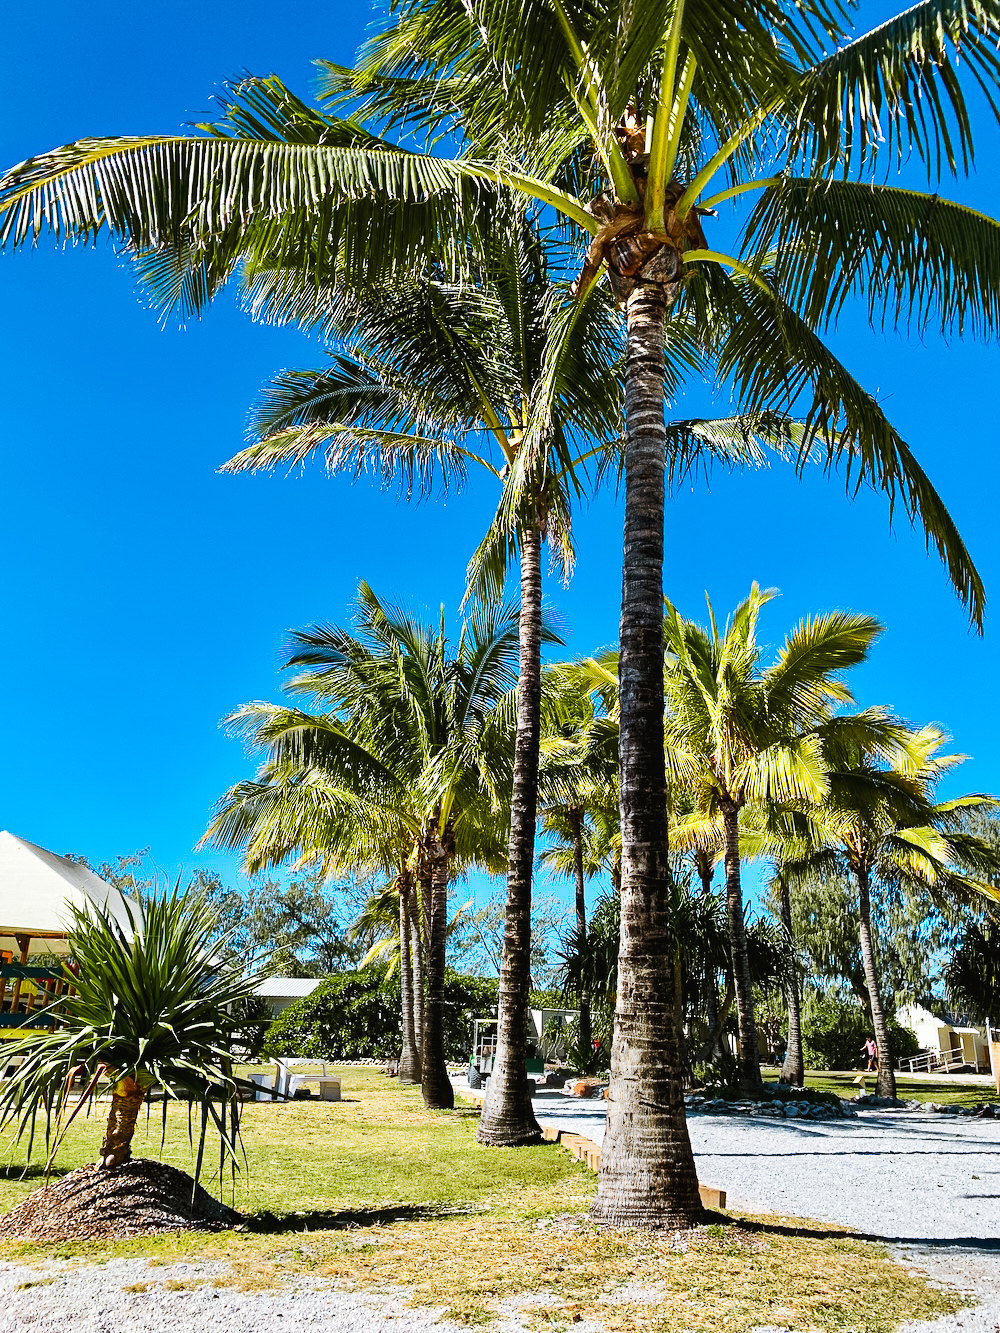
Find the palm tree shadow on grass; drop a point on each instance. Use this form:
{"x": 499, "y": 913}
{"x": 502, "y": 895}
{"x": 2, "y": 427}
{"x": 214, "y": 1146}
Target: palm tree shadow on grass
{"x": 353, "y": 1219}
{"x": 36, "y": 1171}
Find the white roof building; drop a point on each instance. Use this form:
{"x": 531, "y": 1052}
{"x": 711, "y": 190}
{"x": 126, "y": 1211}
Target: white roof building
{"x": 280, "y": 992}
{"x": 36, "y": 891}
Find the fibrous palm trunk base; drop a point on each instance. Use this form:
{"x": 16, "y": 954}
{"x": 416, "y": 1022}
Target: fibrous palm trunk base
{"x": 647, "y": 1175}
{"x": 140, "y": 1198}
{"x": 508, "y": 1119}
{"x": 793, "y": 1069}
{"x": 435, "y": 1084}
{"x": 749, "y": 1061}
{"x": 126, "y": 1103}
{"x": 886, "y": 1084}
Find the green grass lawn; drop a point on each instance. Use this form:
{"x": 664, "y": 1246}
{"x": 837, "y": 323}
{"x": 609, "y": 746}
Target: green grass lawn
{"x": 914, "y": 1089}
{"x": 375, "y": 1192}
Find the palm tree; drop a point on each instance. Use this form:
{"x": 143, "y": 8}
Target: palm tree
{"x": 414, "y": 747}
{"x": 737, "y": 732}
{"x": 157, "y": 1004}
{"x": 623, "y": 119}
{"x": 387, "y": 915}
{"x": 424, "y": 379}
{"x": 576, "y": 776}
{"x": 880, "y": 821}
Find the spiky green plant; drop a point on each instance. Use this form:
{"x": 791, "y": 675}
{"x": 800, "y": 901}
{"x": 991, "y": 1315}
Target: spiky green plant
{"x": 153, "y": 1004}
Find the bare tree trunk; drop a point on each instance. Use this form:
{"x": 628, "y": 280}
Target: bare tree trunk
{"x": 793, "y": 1070}
{"x": 575, "y": 817}
{"x": 749, "y": 1062}
{"x": 419, "y": 970}
{"x": 508, "y": 1119}
{"x": 712, "y": 1048}
{"x": 704, "y": 865}
{"x": 126, "y": 1103}
{"x": 409, "y": 1061}
{"x": 647, "y": 1175}
{"x": 682, "y": 1049}
{"x": 886, "y": 1085}
{"x": 435, "y": 1083}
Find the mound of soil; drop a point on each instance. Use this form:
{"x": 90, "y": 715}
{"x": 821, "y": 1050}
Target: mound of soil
{"x": 137, "y": 1199}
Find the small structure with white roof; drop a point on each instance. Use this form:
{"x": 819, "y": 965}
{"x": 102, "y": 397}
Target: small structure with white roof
{"x": 280, "y": 992}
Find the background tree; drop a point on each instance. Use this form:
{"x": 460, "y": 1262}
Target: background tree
{"x": 408, "y": 766}
{"x": 738, "y": 732}
{"x": 880, "y": 821}
{"x": 972, "y": 972}
{"x": 300, "y": 928}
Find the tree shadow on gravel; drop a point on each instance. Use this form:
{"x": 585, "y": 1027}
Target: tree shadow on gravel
{"x": 817, "y": 1231}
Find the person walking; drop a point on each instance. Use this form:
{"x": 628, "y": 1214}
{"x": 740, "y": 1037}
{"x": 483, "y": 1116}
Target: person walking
{"x": 870, "y": 1051}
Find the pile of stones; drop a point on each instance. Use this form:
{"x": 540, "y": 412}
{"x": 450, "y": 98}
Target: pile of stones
{"x": 984, "y": 1110}
{"x": 771, "y": 1108}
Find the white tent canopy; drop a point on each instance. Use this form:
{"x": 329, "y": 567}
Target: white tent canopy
{"x": 36, "y": 890}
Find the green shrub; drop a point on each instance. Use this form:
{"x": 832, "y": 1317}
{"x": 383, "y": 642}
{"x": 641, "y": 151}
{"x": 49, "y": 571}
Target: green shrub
{"x": 834, "y": 1032}
{"x": 356, "y": 1016}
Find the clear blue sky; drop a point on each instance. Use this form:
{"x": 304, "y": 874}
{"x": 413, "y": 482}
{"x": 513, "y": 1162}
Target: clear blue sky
{"x": 144, "y": 595}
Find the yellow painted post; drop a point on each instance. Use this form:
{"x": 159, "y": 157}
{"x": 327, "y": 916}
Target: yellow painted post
{"x": 23, "y": 941}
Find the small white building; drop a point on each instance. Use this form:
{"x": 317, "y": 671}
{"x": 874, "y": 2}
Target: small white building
{"x": 952, "y": 1044}
{"x": 280, "y": 992}
{"x": 38, "y": 890}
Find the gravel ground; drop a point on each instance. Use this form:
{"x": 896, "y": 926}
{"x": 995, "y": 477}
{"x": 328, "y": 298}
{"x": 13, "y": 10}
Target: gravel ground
{"x": 61, "y": 1296}
{"x": 927, "y": 1184}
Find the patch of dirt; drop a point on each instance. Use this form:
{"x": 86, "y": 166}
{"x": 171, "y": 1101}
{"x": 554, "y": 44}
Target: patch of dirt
{"x": 137, "y": 1199}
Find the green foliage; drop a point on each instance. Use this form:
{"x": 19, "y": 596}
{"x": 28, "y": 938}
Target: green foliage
{"x": 834, "y": 1031}
{"x": 475, "y": 942}
{"x": 909, "y": 928}
{"x": 129, "y": 872}
{"x": 972, "y": 973}
{"x": 254, "y": 1018}
{"x": 161, "y": 1004}
{"x": 299, "y": 928}
{"x": 355, "y": 1016}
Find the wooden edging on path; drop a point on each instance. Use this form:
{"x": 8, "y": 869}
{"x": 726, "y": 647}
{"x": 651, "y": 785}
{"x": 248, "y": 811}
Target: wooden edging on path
{"x": 585, "y": 1150}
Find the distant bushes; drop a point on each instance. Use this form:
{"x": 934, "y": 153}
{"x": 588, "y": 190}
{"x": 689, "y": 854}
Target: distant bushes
{"x": 834, "y": 1031}
{"x": 356, "y": 1016}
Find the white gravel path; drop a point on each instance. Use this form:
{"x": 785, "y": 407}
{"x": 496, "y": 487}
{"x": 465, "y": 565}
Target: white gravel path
{"x": 928, "y": 1184}
{"x": 69, "y": 1297}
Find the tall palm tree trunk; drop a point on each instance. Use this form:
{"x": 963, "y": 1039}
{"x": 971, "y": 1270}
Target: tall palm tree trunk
{"x": 508, "y": 1119}
{"x": 886, "y": 1085}
{"x": 575, "y": 817}
{"x": 749, "y": 1063}
{"x": 647, "y": 1175}
{"x": 419, "y": 971}
{"x": 793, "y": 1069}
{"x": 435, "y": 1083}
{"x": 126, "y": 1103}
{"x": 409, "y": 1061}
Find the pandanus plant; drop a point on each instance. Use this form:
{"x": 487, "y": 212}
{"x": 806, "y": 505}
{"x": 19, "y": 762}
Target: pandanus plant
{"x": 157, "y": 1003}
